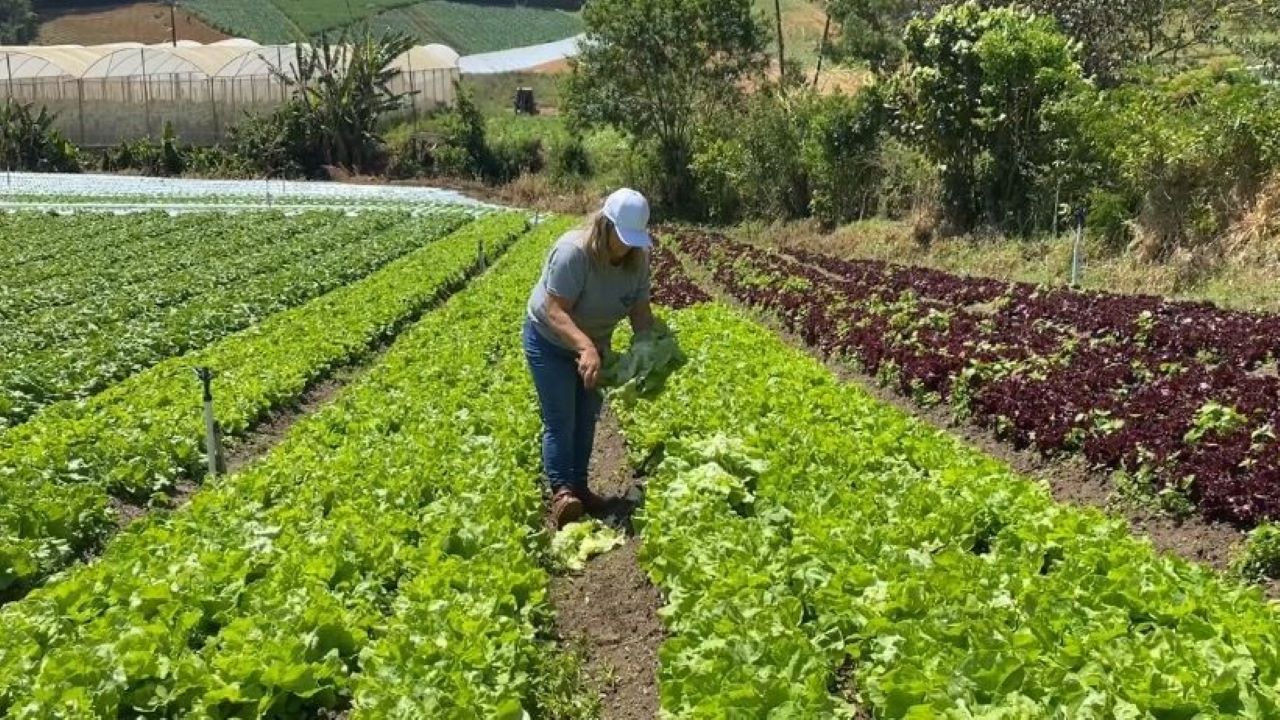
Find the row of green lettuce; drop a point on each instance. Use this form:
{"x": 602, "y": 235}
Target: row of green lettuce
{"x": 384, "y": 559}
{"x": 39, "y": 248}
{"x": 60, "y": 470}
{"x": 83, "y": 319}
{"x": 824, "y": 555}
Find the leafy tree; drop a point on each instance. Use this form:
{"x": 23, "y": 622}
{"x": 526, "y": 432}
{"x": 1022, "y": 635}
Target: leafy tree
{"x": 975, "y": 96}
{"x": 343, "y": 89}
{"x": 1254, "y": 30}
{"x": 651, "y": 67}
{"x": 871, "y": 30}
{"x": 18, "y": 24}
{"x": 1114, "y": 35}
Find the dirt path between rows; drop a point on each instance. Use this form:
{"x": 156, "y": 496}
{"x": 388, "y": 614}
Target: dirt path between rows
{"x": 610, "y": 609}
{"x": 1070, "y": 480}
{"x": 268, "y": 432}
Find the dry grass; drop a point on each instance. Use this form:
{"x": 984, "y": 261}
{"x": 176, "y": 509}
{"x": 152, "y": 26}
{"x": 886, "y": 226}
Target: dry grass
{"x": 1243, "y": 280}
{"x": 540, "y": 193}
{"x": 1257, "y": 235}
{"x": 532, "y": 192}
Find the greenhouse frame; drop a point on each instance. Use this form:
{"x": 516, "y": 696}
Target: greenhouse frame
{"x": 104, "y": 94}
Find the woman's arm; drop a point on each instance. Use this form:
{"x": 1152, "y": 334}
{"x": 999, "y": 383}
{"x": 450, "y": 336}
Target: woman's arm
{"x": 558, "y": 316}
{"x": 641, "y": 316}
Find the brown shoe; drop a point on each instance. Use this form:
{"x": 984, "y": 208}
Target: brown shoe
{"x": 565, "y": 508}
{"x": 592, "y": 502}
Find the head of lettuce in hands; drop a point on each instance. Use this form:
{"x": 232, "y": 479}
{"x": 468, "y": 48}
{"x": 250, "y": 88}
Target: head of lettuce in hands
{"x": 650, "y": 358}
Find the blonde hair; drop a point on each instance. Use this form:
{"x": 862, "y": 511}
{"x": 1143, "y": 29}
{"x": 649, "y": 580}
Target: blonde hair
{"x": 595, "y": 240}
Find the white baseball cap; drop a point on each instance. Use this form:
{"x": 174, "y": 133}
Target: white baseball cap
{"x": 629, "y": 213}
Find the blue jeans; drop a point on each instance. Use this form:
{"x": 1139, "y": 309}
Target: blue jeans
{"x": 569, "y": 411}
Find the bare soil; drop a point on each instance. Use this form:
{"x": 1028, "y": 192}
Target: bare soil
{"x": 101, "y": 23}
{"x": 1070, "y": 479}
{"x": 610, "y": 610}
{"x": 555, "y": 67}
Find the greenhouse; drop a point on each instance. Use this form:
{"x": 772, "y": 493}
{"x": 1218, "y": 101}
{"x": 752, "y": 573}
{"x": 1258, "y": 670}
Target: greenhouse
{"x": 103, "y": 94}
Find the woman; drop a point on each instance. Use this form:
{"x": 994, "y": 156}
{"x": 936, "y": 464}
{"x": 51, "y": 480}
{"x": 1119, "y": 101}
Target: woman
{"x": 593, "y": 278}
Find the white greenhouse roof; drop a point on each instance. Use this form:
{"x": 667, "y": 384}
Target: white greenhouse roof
{"x": 227, "y": 58}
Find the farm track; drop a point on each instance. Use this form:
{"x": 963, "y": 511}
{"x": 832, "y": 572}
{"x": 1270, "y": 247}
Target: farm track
{"x": 610, "y": 609}
{"x": 1070, "y": 480}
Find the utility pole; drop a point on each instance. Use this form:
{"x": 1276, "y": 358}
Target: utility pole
{"x": 782, "y": 65}
{"x": 173, "y": 20}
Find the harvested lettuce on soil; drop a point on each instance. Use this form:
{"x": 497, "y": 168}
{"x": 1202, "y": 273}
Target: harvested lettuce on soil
{"x": 573, "y": 546}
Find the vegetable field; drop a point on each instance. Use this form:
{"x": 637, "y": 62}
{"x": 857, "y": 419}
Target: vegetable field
{"x": 818, "y": 553}
{"x": 467, "y": 27}
{"x": 1183, "y": 397}
{"x": 90, "y": 300}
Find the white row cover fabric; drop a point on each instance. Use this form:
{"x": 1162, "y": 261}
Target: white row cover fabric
{"x": 235, "y": 58}
{"x": 521, "y": 58}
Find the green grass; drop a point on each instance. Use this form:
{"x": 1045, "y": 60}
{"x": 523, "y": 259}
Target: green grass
{"x": 468, "y": 27}
{"x": 495, "y": 94}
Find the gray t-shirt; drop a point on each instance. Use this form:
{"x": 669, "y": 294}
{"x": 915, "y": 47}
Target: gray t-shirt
{"x": 602, "y": 295}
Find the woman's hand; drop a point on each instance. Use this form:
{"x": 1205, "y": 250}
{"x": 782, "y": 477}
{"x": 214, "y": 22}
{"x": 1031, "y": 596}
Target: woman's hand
{"x": 589, "y": 366}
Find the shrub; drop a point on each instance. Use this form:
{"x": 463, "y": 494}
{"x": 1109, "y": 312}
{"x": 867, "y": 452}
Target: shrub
{"x": 276, "y": 145}
{"x": 509, "y": 158}
{"x": 569, "y": 158}
{"x": 1259, "y": 556}
{"x": 749, "y": 164}
{"x": 908, "y": 182}
{"x": 791, "y": 156}
{"x": 840, "y": 154}
{"x": 974, "y": 97}
{"x": 464, "y": 148}
{"x": 29, "y": 141}
{"x": 1184, "y": 156}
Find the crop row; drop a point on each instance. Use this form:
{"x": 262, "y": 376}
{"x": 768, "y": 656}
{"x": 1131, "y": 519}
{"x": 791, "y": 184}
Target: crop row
{"x": 39, "y": 248}
{"x": 383, "y": 559}
{"x": 113, "y": 255}
{"x": 672, "y": 286}
{"x": 822, "y": 554}
{"x": 206, "y": 282}
{"x": 59, "y": 471}
{"x": 1183, "y": 397}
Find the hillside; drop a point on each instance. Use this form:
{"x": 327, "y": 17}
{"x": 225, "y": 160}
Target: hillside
{"x": 469, "y": 26}
{"x": 98, "y": 23}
